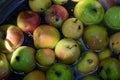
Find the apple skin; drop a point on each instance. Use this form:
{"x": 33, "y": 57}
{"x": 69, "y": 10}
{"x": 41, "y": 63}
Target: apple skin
{"x": 111, "y": 18}
{"x": 89, "y": 77}
{"x": 60, "y": 2}
{"x": 89, "y": 11}
{"x": 88, "y": 63}
{"x": 46, "y": 36}
{"x": 56, "y": 15}
{"x": 4, "y": 67}
{"x": 23, "y": 59}
{"x": 96, "y": 37}
{"x": 11, "y": 37}
{"x": 59, "y": 71}
{"x": 105, "y": 54}
{"x": 35, "y": 75}
{"x": 72, "y": 28}
{"x": 28, "y": 20}
{"x": 45, "y": 57}
{"x": 114, "y": 42}
{"x": 67, "y": 50}
{"x": 39, "y": 5}
{"x": 110, "y": 69}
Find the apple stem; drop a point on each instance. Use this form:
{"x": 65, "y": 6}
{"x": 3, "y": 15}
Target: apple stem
{"x": 75, "y": 20}
{"x": 90, "y": 61}
{"x": 70, "y": 47}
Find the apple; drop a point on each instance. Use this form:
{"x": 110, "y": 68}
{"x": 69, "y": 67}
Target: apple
{"x": 59, "y": 71}
{"x": 90, "y": 77}
{"x": 114, "y": 42}
{"x": 60, "y": 2}
{"x": 111, "y": 18}
{"x": 45, "y": 57}
{"x": 88, "y": 63}
{"x": 89, "y": 11}
{"x": 4, "y": 67}
{"x": 110, "y": 69}
{"x": 11, "y": 37}
{"x": 105, "y": 54}
{"x": 23, "y": 59}
{"x": 67, "y": 50}
{"x": 35, "y": 75}
{"x": 96, "y": 37}
{"x": 56, "y": 15}
{"x": 28, "y": 20}
{"x": 72, "y": 28}
{"x": 39, "y": 5}
{"x": 46, "y": 36}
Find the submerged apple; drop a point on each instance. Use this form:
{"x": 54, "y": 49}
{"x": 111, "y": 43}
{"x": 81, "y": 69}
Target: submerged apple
{"x": 11, "y": 37}
{"x": 27, "y": 21}
{"x": 96, "y": 37}
{"x": 46, "y": 36}
{"x": 89, "y": 11}
{"x": 56, "y": 15}
{"x": 67, "y": 50}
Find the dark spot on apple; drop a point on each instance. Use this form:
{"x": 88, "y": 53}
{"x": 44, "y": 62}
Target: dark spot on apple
{"x": 58, "y": 73}
{"x": 41, "y": 9}
{"x": 57, "y": 19}
{"x": 3, "y": 36}
{"x": 90, "y": 61}
{"x": 79, "y": 27}
{"x": 107, "y": 71}
{"x": 75, "y": 20}
{"x": 17, "y": 58}
{"x": 75, "y": 45}
{"x": 94, "y": 10}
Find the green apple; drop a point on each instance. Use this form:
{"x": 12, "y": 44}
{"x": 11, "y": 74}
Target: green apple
{"x": 67, "y": 50}
{"x": 45, "y": 56}
{"x": 39, "y": 5}
{"x": 89, "y": 11}
{"x": 35, "y": 75}
{"x": 110, "y": 69}
{"x": 4, "y": 67}
{"x": 90, "y": 78}
{"x": 115, "y": 42}
{"x": 59, "y": 72}
{"x": 104, "y": 54}
{"x": 112, "y": 18}
{"x": 46, "y": 36}
{"x": 87, "y": 63}
{"x": 23, "y": 59}
{"x": 72, "y": 28}
{"x": 11, "y": 37}
{"x": 96, "y": 37}
{"x": 60, "y": 2}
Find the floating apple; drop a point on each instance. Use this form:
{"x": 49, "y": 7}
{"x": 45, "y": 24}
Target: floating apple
{"x": 112, "y": 19}
{"x": 39, "y": 5}
{"x": 11, "y": 37}
{"x": 45, "y": 56}
{"x": 115, "y": 42}
{"x": 96, "y": 37}
{"x": 23, "y": 59}
{"x": 56, "y": 15}
{"x": 72, "y": 28}
{"x": 67, "y": 50}
{"x": 61, "y": 2}
{"x": 89, "y": 11}
{"x": 59, "y": 72}
{"x": 110, "y": 69}
{"x": 28, "y": 20}
{"x": 90, "y": 78}
{"x": 88, "y": 63}
{"x": 35, "y": 75}
{"x": 4, "y": 67}
{"x": 46, "y": 36}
